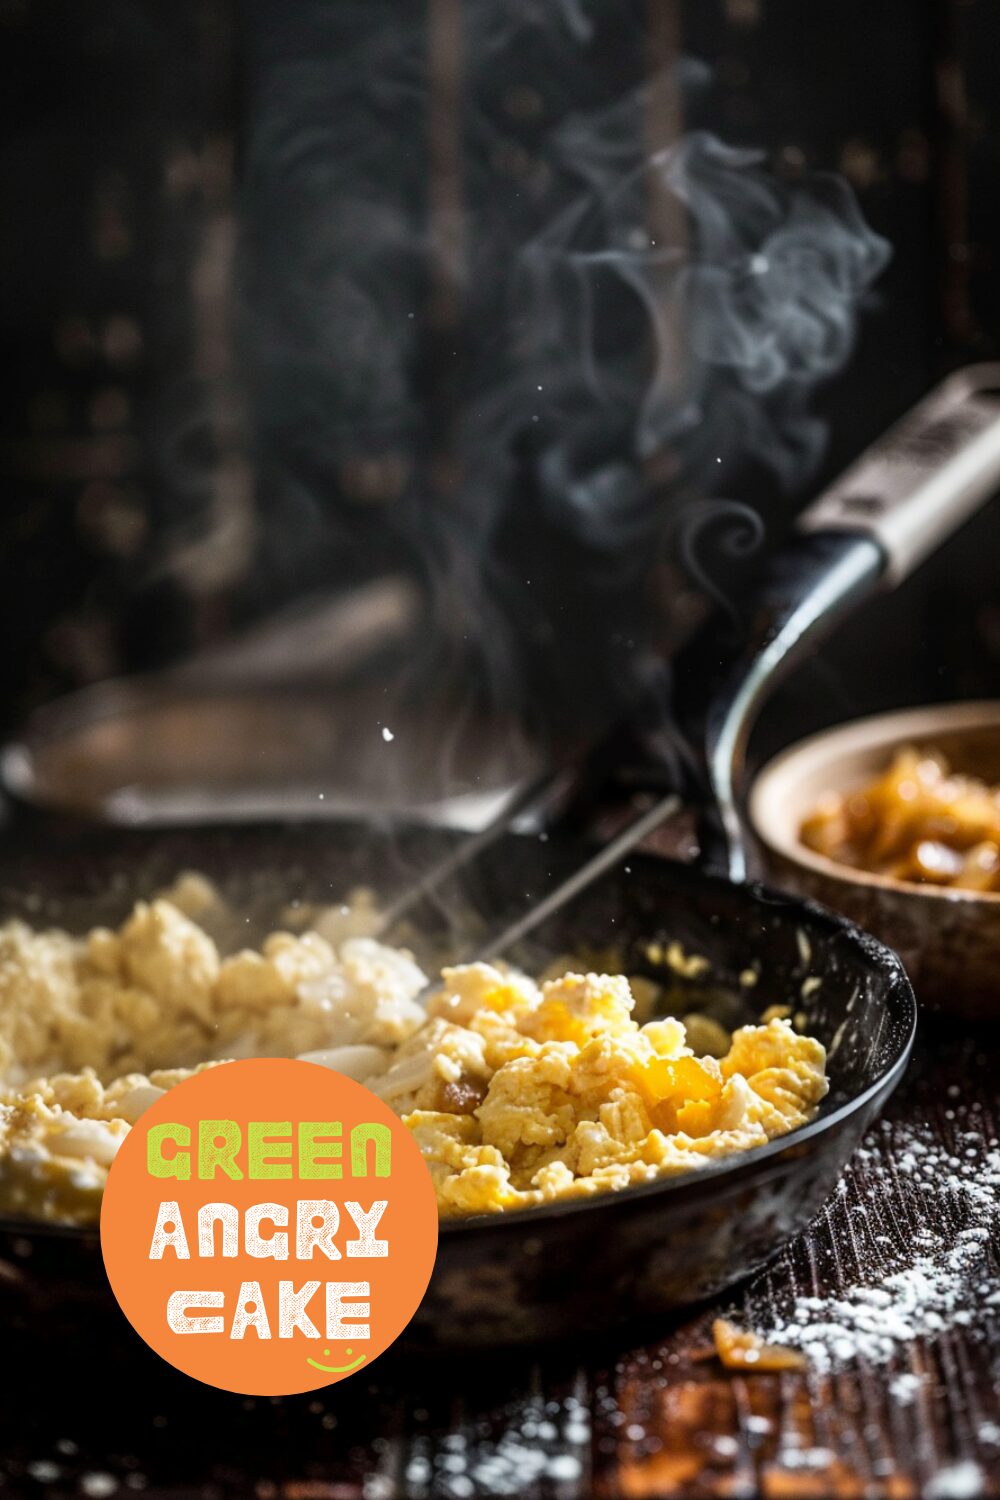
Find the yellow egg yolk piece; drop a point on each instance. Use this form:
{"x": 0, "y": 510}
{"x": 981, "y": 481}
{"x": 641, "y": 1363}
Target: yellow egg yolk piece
{"x": 680, "y": 1094}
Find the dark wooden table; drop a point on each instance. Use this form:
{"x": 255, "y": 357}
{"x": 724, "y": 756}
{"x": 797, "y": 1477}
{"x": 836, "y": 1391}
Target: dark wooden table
{"x": 659, "y": 1418}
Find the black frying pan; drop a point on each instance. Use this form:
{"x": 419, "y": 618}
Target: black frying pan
{"x": 585, "y": 1266}
{"x": 574, "y": 1268}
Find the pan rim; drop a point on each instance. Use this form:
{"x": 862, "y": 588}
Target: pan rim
{"x": 743, "y": 1162}
{"x": 693, "y": 1181}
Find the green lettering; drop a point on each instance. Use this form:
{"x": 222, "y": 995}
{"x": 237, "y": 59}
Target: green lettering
{"x": 316, "y": 1148}
{"x": 258, "y": 1142}
{"x": 381, "y": 1137}
{"x": 218, "y": 1143}
{"x": 177, "y": 1165}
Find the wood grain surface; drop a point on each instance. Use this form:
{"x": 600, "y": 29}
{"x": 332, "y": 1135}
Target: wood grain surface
{"x": 652, "y": 1416}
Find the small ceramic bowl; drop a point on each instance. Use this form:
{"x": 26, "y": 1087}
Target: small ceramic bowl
{"x": 948, "y": 939}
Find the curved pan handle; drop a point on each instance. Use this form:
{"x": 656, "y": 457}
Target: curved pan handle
{"x": 916, "y": 485}
{"x": 868, "y": 531}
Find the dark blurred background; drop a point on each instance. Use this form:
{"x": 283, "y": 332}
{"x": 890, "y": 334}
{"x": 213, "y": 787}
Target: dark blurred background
{"x": 205, "y": 419}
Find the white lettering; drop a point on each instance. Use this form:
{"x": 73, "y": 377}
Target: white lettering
{"x": 168, "y": 1233}
{"x": 339, "y": 1292}
{"x": 366, "y": 1245}
{"x": 292, "y": 1310}
{"x": 250, "y": 1312}
{"x": 276, "y": 1245}
{"x": 225, "y": 1214}
{"x": 317, "y": 1222}
{"x": 179, "y": 1319}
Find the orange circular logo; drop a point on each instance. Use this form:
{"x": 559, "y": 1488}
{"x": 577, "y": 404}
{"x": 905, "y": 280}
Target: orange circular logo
{"x": 269, "y": 1227}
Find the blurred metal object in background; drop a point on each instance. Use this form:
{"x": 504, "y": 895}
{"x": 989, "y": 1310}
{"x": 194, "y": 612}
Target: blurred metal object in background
{"x": 285, "y": 721}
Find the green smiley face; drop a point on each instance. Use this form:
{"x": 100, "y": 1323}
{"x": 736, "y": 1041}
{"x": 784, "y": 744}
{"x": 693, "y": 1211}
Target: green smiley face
{"x": 338, "y": 1369}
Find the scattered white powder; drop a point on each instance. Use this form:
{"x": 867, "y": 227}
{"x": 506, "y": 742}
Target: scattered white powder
{"x": 946, "y": 1276}
{"x": 549, "y": 1441}
{"x": 904, "y": 1388}
{"x": 805, "y": 1458}
{"x": 962, "y": 1481}
{"x": 44, "y": 1471}
{"x": 98, "y": 1484}
{"x": 563, "y": 1466}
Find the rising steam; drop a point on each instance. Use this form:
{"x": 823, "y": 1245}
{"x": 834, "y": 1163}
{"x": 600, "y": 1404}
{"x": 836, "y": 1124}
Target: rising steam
{"x": 604, "y": 362}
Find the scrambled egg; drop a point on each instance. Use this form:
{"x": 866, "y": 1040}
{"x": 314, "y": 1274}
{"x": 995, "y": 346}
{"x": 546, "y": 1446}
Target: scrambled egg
{"x": 93, "y": 1029}
{"x": 59, "y": 1136}
{"x": 518, "y": 1094}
